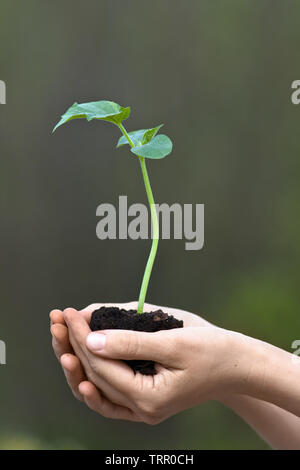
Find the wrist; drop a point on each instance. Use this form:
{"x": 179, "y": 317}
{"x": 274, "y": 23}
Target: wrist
{"x": 265, "y": 372}
{"x": 245, "y": 361}
{"x": 230, "y": 364}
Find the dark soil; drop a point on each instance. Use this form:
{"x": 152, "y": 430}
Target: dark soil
{"x": 113, "y": 318}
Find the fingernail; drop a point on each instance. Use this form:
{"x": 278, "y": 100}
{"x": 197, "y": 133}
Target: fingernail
{"x": 96, "y": 341}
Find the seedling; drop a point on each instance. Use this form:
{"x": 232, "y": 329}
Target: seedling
{"x": 144, "y": 143}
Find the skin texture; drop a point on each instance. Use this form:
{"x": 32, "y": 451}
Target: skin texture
{"x": 197, "y": 363}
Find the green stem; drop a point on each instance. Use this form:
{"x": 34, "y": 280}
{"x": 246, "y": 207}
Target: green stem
{"x": 155, "y": 226}
{"x": 125, "y": 133}
{"x": 155, "y": 238}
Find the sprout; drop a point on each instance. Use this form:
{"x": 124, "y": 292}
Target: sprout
{"x": 144, "y": 143}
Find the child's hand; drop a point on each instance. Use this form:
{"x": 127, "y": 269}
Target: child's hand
{"x": 190, "y": 365}
{"x": 64, "y": 352}
{"x": 195, "y": 363}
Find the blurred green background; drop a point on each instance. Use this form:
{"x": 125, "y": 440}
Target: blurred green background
{"x": 219, "y": 75}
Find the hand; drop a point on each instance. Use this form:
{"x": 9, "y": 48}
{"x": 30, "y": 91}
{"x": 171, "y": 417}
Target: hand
{"x": 64, "y": 352}
{"x": 190, "y": 370}
{"x": 277, "y": 426}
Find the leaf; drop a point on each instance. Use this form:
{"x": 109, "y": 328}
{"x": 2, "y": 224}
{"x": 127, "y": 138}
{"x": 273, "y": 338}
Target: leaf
{"x": 150, "y": 133}
{"x": 139, "y": 137}
{"x": 159, "y": 147}
{"x": 135, "y": 136}
{"x": 104, "y": 110}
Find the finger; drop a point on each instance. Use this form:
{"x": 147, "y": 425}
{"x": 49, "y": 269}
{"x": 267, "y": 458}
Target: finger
{"x": 78, "y": 329}
{"x": 74, "y": 373}
{"x": 60, "y": 340}
{"x": 87, "y": 311}
{"x": 163, "y": 346}
{"x": 101, "y": 405}
{"x": 117, "y": 374}
{"x": 56, "y": 316}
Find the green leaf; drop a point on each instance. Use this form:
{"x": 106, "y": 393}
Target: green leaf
{"x": 135, "y": 136}
{"x": 159, "y": 147}
{"x": 139, "y": 137}
{"x": 150, "y": 133}
{"x": 104, "y": 110}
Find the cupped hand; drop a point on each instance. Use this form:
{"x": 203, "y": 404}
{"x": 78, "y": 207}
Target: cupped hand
{"x": 189, "y": 363}
{"x": 64, "y": 352}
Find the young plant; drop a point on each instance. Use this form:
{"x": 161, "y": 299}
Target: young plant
{"x": 144, "y": 143}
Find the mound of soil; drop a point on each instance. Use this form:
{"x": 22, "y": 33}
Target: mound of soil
{"x": 113, "y": 318}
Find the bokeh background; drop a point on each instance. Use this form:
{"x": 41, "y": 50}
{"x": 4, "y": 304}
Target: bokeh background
{"x": 219, "y": 75}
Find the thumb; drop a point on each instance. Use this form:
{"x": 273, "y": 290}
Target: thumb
{"x": 162, "y": 346}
